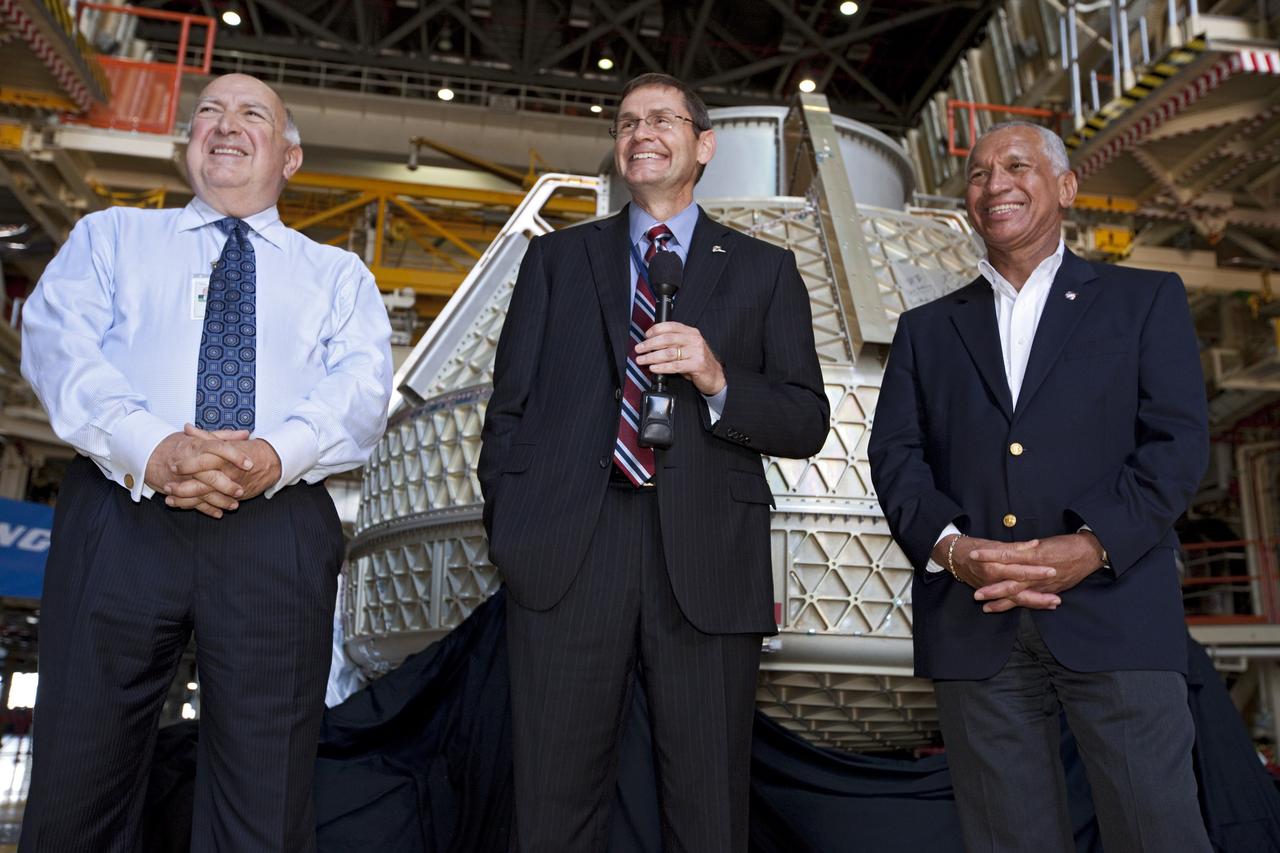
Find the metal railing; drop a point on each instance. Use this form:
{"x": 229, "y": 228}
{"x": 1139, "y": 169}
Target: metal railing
{"x": 1223, "y": 585}
{"x": 145, "y": 92}
{"x": 411, "y": 85}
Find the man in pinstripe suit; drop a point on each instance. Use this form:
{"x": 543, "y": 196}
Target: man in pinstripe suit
{"x": 623, "y": 562}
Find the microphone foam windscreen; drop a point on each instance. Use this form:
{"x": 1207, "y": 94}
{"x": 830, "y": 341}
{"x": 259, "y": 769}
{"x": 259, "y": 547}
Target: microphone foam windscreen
{"x": 665, "y": 268}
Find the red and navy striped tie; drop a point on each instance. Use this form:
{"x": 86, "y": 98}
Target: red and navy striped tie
{"x": 636, "y": 461}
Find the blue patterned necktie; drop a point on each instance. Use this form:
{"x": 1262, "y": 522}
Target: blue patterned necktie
{"x": 228, "y": 347}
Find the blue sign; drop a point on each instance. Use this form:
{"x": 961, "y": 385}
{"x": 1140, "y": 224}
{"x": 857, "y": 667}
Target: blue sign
{"x": 24, "y": 544}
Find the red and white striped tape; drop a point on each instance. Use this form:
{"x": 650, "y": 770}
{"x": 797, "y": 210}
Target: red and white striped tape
{"x": 1241, "y": 62}
{"x": 1205, "y": 83}
{"x": 66, "y": 76}
{"x": 1260, "y": 61}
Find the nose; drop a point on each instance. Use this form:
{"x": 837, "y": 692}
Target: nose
{"x": 643, "y": 131}
{"x": 228, "y": 123}
{"x": 999, "y": 180}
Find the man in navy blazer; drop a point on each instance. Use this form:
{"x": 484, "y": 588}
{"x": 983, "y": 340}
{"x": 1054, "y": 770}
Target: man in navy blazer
{"x": 618, "y": 561}
{"x": 1038, "y": 433}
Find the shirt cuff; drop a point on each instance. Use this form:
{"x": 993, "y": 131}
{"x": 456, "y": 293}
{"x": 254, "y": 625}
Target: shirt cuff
{"x": 715, "y": 403}
{"x": 298, "y": 449}
{"x": 132, "y": 442}
{"x": 934, "y": 566}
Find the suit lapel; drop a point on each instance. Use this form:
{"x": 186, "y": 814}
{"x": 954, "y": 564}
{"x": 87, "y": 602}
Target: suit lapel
{"x": 1069, "y": 299}
{"x": 709, "y": 250}
{"x": 974, "y": 316}
{"x": 608, "y": 252}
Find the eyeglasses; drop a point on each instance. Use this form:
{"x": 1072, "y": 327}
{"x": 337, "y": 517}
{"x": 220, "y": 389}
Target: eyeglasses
{"x": 657, "y": 122}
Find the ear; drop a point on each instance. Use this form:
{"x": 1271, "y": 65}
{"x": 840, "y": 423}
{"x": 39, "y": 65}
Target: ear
{"x": 1068, "y": 184}
{"x": 292, "y": 161}
{"x": 706, "y": 146}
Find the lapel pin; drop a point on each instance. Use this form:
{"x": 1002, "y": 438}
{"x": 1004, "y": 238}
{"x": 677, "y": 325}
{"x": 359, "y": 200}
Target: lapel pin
{"x": 1071, "y": 296}
{"x": 716, "y": 248}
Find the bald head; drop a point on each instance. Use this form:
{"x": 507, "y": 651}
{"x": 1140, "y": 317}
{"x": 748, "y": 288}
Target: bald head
{"x": 244, "y": 146}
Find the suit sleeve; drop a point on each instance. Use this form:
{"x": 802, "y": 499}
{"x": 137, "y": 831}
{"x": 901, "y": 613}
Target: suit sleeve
{"x": 514, "y": 370}
{"x": 1131, "y": 510}
{"x": 782, "y": 411}
{"x": 913, "y": 505}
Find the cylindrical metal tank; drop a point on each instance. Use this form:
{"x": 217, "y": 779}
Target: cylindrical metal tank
{"x": 839, "y": 671}
{"x": 749, "y": 160}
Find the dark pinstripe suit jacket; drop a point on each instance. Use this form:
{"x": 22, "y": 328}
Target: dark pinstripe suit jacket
{"x": 553, "y": 417}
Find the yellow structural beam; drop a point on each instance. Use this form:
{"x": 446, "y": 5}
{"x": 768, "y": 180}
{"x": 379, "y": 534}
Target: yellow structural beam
{"x": 426, "y": 245}
{"x": 1106, "y": 203}
{"x": 434, "y": 226}
{"x": 426, "y": 282}
{"x": 503, "y": 172}
{"x": 11, "y": 136}
{"x": 35, "y": 99}
{"x": 317, "y": 218}
{"x": 496, "y": 198}
{"x": 380, "y": 229}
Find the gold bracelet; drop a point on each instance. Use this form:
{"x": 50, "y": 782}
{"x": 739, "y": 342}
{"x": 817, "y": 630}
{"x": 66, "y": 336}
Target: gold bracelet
{"x": 951, "y": 556}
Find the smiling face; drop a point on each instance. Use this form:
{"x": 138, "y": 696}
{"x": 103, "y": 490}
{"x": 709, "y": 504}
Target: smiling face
{"x": 1014, "y": 198}
{"x": 238, "y": 158}
{"x": 660, "y": 168}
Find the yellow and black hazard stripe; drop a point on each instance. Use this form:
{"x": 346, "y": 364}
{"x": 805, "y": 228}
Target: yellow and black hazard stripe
{"x": 1152, "y": 79}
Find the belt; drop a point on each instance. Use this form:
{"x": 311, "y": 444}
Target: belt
{"x": 619, "y": 480}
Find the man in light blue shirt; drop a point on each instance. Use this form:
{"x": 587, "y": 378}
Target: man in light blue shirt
{"x": 212, "y": 366}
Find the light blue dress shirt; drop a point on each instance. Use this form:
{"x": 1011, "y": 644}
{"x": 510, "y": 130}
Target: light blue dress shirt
{"x": 681, "y": 226}
{"x": 110, "y": 339}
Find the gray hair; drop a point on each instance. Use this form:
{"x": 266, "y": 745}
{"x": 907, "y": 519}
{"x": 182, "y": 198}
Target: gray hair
{"x": 1052, "y": 144}
{"x": 291, "y": 134}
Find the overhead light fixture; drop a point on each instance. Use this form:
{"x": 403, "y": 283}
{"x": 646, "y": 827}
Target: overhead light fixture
{"x": 597, "y": 109}
{"x": 848, "y": 8}
{"x": 807, "y": 85}
{"x": 231, "y": 17}
{"x": 604, "y": 63}
{"x": 445, "y": 93}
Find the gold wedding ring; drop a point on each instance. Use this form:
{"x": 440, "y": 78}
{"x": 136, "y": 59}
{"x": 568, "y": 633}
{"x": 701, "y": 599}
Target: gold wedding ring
{"x": 679, "y": 353}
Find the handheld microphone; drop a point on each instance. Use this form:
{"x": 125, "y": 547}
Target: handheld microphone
{"x": 657, "y": 407}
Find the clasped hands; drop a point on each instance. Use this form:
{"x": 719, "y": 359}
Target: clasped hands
{"x": 676, "y": 348}
{"x": 1030, "y": 574}
{"x": 211, "y": 472}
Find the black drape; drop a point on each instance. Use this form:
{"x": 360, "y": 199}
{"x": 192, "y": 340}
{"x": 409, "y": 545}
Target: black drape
{"x": 420, "y": 762}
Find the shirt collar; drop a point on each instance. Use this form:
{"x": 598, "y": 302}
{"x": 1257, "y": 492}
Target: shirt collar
{"x": 681, "y": 225}
{"x": 1047, "y": 269}
{"x": 265, "y": 223}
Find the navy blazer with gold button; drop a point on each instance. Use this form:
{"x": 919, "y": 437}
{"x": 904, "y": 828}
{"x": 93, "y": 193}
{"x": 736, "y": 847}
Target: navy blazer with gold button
{"x": 1110, "y": 431}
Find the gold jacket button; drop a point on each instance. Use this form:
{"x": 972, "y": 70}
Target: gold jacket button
{"x": 1015, "y": 449}
{"x": 1010, "y": 520}
{"x": 128, "y": 482}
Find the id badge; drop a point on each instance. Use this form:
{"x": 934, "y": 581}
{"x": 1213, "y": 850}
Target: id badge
{"x": 199, "y": 295}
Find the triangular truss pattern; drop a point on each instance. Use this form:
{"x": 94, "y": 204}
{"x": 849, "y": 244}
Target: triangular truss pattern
{"x": 421, "y": 563}
{"x": 856, "y": 712}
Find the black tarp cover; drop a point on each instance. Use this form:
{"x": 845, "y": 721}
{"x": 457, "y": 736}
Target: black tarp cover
{"x": 419, "y": 762}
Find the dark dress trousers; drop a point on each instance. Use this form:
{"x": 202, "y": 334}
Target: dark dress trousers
{"x": 126, "y": 585}
{"x": 673, "y": 581}
{"x": 1110, "y": 431}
